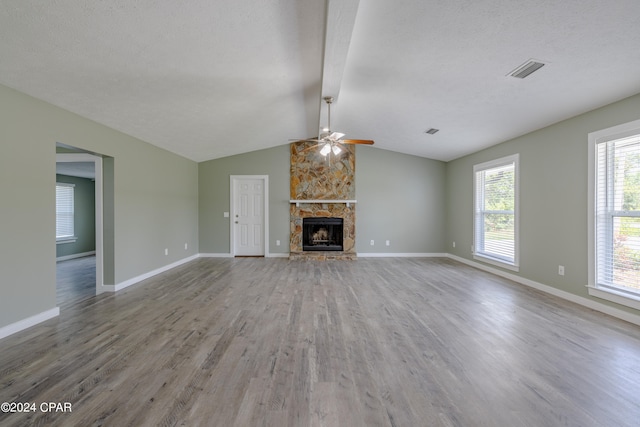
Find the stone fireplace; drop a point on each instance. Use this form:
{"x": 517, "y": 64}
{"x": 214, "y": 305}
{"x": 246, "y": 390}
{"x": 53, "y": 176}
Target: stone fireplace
{"x": 322, "y": 234}
{"x": 322, "y": 188}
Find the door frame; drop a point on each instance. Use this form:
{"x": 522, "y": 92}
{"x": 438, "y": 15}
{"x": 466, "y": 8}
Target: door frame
{"x": 97, "y": 161}
{"x": 265, "y": 209}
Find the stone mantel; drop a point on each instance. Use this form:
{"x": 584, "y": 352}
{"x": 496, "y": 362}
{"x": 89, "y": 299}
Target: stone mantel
{"x": 321, "y": 201}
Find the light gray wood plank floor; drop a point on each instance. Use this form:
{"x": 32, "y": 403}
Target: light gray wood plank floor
{"x": 373, "y": 342}
{"x": 75, "y": 280}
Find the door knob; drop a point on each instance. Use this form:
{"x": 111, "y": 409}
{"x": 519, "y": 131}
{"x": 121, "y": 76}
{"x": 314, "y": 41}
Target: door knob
{"x": 236, "y": 222}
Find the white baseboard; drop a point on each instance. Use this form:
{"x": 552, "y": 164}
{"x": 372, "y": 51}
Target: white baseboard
{"x": 206, "y": 255}
{"x": 223, "y": 255}
{"x": 106, "y": 288}
{"x": 33, "y": 320}
{"x": 73, "y": 256}
{"x": 359, "y": 254}
{"x": 140, "y": 278}
{"x": 23, "y": 324}
{"x": 400, "y": 255}
{"x": 278, "y": 255}
{"x": 586, "y": 302}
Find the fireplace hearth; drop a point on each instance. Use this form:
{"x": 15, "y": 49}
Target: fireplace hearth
{"x": 322, "y": 234}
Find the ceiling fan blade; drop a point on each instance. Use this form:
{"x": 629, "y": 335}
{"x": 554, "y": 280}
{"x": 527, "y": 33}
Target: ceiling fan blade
{"x": 312, "y": 147}
{"x": 357, "y": 141}
{"x": 330, "y": 139}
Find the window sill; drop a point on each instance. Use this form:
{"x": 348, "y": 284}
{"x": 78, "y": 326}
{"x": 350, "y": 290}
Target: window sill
{"x": 496, "y": 262}
{"x": 627, "y": 299}
{"x": 66, "y": 240}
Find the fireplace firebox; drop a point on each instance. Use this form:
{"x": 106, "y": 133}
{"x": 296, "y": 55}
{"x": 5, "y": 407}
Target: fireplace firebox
{"x": 322, "y": 234}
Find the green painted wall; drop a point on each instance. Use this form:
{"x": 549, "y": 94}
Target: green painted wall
{"x": 553, "y": 196}
{"x": 400, "y": 198}
{"x": 214, "y": 197}
{"x": 84, "y": 221}
{"x": 154, "y": 202}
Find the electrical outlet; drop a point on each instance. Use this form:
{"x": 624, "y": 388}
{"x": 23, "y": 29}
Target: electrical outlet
{"x": 186, "y": 246}
{"x": 277, "y": 242}
{"x": 372, "y": 243}
{"x": 454, "y": 244}
{"x": 388, "y": 243}
{"x": 561, "y": 270}
{"x": 166, "y": 251}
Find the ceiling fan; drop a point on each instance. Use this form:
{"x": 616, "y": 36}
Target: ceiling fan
{"x": 331, "y": 141}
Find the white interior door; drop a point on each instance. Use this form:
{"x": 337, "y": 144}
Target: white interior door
{"x": 248, "y": 216}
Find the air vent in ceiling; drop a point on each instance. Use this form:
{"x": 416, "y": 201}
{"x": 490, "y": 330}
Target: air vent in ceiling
{"x": 431, "y": 131}
{"x": 526, "y": 69}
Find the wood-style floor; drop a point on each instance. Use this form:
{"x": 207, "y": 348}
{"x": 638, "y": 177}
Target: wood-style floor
{"x": 373, "y": 342}
{"x": 75, "y": 280}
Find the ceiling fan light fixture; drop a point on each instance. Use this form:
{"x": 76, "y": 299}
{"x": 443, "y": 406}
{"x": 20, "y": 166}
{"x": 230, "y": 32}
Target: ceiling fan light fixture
{"x": 329, "y": 141}
{"x": 326, "y": 149}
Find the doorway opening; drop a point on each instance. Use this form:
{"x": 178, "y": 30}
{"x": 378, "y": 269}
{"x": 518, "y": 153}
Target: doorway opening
{"x": 80, "y": 253}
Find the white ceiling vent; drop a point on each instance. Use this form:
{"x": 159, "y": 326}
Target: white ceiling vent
{"x": 526, "y": 69}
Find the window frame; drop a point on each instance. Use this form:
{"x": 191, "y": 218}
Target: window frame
{"x": 620, "y": 295}
{"x": 67, "y": 238}
{"x": 477, "y": 230}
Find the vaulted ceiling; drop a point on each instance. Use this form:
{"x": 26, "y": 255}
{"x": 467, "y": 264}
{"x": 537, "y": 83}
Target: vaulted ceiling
{"x": 208, "y": 79}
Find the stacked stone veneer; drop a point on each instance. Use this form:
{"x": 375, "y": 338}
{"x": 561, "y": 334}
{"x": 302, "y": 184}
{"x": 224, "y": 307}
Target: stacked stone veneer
{"x": 315, "y": 177}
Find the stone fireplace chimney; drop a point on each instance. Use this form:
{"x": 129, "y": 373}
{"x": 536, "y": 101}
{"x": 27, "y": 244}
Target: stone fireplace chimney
{"x": 322, "y": 187}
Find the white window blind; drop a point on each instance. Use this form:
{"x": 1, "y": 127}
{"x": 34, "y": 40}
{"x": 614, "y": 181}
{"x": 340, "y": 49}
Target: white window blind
{"x": 495, "y": 211}
{"x": 64, "y": 211}
{"x": 617, "y": 216}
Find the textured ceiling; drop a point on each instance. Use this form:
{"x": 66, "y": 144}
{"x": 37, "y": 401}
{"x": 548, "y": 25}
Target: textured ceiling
{"x": 78, "y": 169}
{"x": 207, "y": 79}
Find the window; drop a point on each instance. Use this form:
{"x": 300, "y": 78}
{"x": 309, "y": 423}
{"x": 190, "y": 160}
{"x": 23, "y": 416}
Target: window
{"x": 64, "y": 213}
{"x": 615, "y": 211}
{"x": 496, "y": 212}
